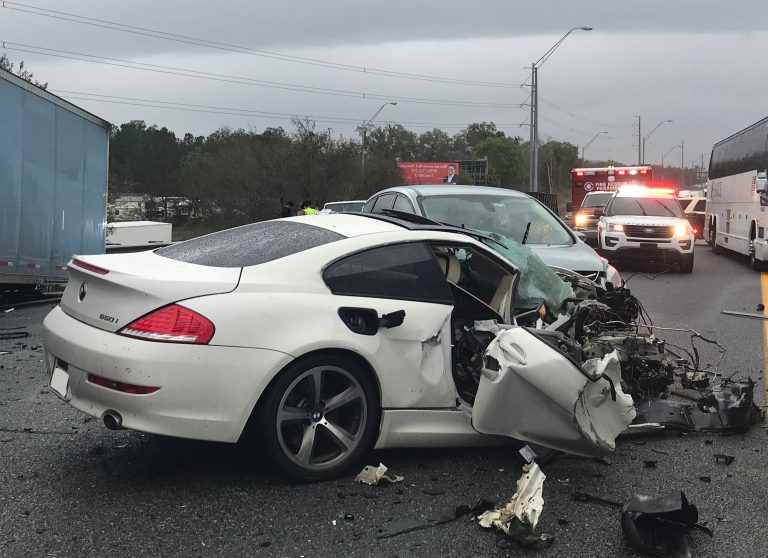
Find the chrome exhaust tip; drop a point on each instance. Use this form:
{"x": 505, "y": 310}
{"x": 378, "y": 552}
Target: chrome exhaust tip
{"x": 113, "y": 420}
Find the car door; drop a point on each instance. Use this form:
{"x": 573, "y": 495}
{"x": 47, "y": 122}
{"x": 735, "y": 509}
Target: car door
{"x": 531, "y": 390}
{"x": 412, "y": 358}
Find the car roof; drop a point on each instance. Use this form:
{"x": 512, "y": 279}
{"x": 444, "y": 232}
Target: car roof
{"x": 427, "y": 190}
{"x": 359, "y": 224}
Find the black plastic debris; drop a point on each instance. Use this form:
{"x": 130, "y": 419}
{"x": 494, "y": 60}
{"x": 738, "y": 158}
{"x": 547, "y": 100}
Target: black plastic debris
{"x": 658, "y": 526}
{"x": 760, "y": 307}
{"x": 705, "y": 478}
{"x": 724, "y": 458}
{"x": 727, "y": 407}
{"x": 650, "y": 464}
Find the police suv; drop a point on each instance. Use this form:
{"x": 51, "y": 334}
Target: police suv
{"x": 642, "y": 224}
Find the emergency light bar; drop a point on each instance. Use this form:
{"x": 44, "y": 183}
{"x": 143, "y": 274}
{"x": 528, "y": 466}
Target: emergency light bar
{"x": 640, "y": 190}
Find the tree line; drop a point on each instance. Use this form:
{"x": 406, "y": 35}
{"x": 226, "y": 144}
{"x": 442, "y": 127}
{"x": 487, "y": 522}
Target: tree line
{"x": 239, "y": 176}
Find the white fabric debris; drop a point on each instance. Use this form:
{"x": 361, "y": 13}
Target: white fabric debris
{"x": 526, "y": 505}
{"x": 372, "y": 475}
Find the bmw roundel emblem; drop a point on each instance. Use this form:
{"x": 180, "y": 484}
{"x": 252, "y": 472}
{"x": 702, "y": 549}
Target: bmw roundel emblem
{"x": 82, "y": 293}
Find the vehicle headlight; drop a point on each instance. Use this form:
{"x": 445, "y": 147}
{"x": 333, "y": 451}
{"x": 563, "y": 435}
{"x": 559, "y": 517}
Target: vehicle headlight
{"x": 580, "y": 220}
{"x": 616, "y": 227}
{"x": 683, "y": 229}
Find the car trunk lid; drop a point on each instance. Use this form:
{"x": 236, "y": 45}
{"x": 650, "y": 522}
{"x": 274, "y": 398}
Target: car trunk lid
{"x": 111, "y": 291}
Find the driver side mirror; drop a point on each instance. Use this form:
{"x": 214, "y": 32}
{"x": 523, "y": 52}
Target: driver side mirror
{"x": 599, "y": 212}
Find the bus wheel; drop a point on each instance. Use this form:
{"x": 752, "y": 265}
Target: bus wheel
{"x": 754, "y": 263}
{"x": 713, "y": 237}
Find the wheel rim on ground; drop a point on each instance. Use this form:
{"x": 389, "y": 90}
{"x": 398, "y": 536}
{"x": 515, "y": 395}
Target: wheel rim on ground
{"x": 321, "y": 418}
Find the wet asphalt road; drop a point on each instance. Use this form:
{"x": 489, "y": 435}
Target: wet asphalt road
{"x": 69, "y": 487}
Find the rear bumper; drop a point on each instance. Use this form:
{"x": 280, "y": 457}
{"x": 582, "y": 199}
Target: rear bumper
{"x": 206, "y": 392}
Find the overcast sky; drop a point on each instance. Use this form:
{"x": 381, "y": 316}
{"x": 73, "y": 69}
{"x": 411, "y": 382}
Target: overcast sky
{"x": 699, "y": 63}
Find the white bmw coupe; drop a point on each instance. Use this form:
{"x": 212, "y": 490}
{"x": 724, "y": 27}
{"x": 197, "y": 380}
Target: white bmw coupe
{"x": 323, "y": 337}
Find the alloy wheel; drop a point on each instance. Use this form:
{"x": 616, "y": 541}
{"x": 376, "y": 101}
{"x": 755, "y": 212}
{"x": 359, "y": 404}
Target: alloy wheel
{"x": 321, "y": 418}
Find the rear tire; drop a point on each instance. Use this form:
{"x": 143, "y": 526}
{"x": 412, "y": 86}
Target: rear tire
{"x": 712, "y": 240}
{"x": 754, "y": 263}
{"x": 686, "y": 266}
{"x": 320, "y": 417}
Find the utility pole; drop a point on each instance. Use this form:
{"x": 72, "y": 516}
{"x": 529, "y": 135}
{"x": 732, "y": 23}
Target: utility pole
{"x": 533, "y": 175}
{"x": 639, "y": 141}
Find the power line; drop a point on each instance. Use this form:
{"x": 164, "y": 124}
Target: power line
{"x": 576, "y": 116}
{"x": 172, "y": 70}
{"x": 196, "y": 41}
{"x": 213, "y": 109}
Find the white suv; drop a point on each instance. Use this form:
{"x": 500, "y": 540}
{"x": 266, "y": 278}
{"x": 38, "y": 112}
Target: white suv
{"x": 643, "y": 224}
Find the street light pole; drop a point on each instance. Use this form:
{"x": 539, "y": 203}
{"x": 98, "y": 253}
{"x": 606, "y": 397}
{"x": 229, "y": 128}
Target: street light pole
{"x": 671, "y": 149}
{"x": 682, "y": 165}
{"x": 649, "y": 135}
{"x": 534, "y": 147}
{"x": 365, "y": 130}
{"x": 584, "y": 148}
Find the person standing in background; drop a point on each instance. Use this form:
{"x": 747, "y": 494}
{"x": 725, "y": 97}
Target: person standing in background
{"x": 287, "y": 209}
{"x": 307, "y": 209}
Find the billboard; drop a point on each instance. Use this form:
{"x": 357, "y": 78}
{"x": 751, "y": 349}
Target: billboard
{"x": 428, "y": 173}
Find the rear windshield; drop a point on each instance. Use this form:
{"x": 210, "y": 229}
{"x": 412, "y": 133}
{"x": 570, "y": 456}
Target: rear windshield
{"x": 596, "y": 200}
{"x": 250, "y": 244}
{"x": 655, "y": 207}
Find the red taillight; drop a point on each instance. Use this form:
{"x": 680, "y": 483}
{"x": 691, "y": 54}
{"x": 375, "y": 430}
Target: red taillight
{"x": 579, "y": 173}
{"x": 132, "y": 389}
{"x": 695, "y": 230}
{"x": 621, "y": 173}
{"x": 90, "y": 267}
{"x": 643, "y": 171}
{"x": 172, "y": 324}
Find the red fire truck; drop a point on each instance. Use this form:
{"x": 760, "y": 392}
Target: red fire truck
{"x": 605, "y": 179}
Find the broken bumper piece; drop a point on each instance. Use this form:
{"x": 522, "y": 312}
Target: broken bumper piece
{"x": 727, "y": 407}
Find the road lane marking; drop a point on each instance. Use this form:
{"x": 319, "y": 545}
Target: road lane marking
{"x": 764, "y": 289}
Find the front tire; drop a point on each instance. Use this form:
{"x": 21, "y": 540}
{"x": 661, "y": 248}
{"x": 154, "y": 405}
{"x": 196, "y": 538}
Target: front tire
{"x": 320, "y": 417}
{"x": 687, "y": 264}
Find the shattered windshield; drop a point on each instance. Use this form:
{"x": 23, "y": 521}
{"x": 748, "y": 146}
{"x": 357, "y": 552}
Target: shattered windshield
{"x": 520, "y": 218}
{"x": 652, "y": 207}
